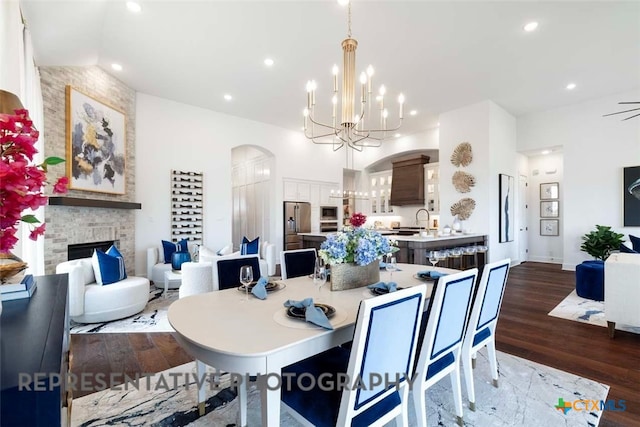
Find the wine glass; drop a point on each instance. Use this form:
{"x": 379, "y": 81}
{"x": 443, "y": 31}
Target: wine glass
{"x": 390, "y": 266}
{"x": 246, "y": 277}
{"x": 434, "y": 257}
{"x": 319, "y": 275}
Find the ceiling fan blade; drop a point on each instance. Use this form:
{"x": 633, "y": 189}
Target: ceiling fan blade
{"x": 620, "y": 112}
{"x": 631, "y": 117}
{"x": 629, "y": 102}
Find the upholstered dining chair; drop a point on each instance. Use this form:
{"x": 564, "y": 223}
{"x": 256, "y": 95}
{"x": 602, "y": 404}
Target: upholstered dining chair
{"x": 384, "y": 343}
{"x": 226, "y": 270}
{"x": 197, "y": 278}
{"x": 297, "y": 262}
{"x": 482, "y": 323}
{"x": 440, "y": 349}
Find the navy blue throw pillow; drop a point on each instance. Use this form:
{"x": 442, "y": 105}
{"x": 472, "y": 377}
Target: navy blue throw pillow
{"x": 250, "y": 247}
{"x": 108, "y": 268}
{"x": 627, "y": 250}
{"x": 170, "y": 247}
{"x": 635, "y": 242}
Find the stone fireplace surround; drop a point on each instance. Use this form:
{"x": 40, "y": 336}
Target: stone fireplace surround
{"x": 81, "y": 224}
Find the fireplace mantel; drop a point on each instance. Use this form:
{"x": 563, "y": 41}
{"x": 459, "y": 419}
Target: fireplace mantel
{"x": 92, "y": 203}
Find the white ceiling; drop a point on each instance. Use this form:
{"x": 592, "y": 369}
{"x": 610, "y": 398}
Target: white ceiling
{"x": 441, "y": 55}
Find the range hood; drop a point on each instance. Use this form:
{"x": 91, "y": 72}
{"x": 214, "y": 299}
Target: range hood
{"x": 407, "y": 187}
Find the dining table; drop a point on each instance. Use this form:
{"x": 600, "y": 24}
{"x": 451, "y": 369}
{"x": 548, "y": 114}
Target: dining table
{"x": 256, "y": 337}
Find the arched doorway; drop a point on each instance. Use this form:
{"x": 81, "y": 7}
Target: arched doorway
{"x": 252, "y": 181}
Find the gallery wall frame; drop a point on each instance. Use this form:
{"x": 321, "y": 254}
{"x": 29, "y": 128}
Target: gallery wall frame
{"x": 549, "y": 227}
{"x": 631, "y": 196}
{"x": 96, "y": 144}
{"x": 549, "y": 191}
{"x": 506, "y": 208}
{"x": 549, "y": 208}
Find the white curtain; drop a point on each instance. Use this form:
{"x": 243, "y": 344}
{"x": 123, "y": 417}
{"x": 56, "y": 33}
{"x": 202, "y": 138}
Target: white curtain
{"x": 19, "y": 75}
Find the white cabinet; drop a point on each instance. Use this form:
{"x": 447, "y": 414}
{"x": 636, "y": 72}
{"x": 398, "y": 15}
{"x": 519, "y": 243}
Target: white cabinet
{"x": 326, "y": 193}
{"x": 297, "y": 191}
{"x": 432, "y": 187}
{"x": 380, "y": 193}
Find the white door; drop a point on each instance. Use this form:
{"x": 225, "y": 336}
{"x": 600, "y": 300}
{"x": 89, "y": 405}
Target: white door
{"x": 523, "y": 229}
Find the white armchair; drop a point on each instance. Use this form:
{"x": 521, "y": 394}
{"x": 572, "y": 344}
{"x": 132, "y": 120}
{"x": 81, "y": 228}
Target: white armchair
{"x": 93, "y": 303}
{"x": 156, "y": 265}
{"x": 268, "y": 254}
{"x": 622, "y": 290}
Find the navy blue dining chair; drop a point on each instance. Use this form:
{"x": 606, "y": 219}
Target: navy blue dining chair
{"x": 384, "y": 344}
{"x": 226, "y": 270}
{"x": 297, "y": 262}
{"x": 481, "y": 330}
{"x": 447, "y": 317}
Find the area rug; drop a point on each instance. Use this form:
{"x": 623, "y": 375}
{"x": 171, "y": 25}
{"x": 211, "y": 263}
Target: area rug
{"x": 152, "y": 319}
{"x": 527, "y": 396}
{"x": 585, "y": 310}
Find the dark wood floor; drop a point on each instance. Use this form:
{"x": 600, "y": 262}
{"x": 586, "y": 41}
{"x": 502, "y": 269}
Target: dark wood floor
{"x": 524, "y": 330}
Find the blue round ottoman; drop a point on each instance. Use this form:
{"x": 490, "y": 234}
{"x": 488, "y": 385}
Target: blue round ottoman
{"x": 590, "y": 280}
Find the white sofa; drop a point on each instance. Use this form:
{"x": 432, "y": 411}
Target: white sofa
{"x": 622, "y": 290}
{"x": 92, "y": 303}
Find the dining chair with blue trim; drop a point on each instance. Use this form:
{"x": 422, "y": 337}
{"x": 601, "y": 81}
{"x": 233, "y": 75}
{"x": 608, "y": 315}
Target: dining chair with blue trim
{"x": 384, "y": 347}
{"x": 447, "y": 317}
{"x": 226, "y": 270}
{"x": 297, "y": 262}
{"x": 482, "y": 323}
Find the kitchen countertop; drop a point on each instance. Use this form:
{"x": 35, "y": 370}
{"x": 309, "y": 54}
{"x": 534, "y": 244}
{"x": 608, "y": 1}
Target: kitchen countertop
{"x": 409, "y": 238}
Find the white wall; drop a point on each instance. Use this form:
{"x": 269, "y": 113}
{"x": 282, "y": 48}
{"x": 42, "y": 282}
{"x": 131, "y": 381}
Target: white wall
{"x": 544, "y": 169}
{"x": 171, "y": 135}
{"x": 596, "y": 149}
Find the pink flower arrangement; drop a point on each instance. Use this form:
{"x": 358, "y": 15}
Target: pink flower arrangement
{"x": 21, "y": 183}
{"x": 358, "y": 219}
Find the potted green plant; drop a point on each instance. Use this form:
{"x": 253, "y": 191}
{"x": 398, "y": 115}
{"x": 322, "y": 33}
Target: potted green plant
{"x": 600, "y": 242}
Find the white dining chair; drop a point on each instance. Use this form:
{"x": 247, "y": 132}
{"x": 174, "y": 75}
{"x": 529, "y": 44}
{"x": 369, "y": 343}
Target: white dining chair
{"x": 384, "y": 343}
{"x": 297, "y": 262}
{"x": 440, "y": 349}
{"x": 482, "y": 323}
{"x": 197, "y": 278}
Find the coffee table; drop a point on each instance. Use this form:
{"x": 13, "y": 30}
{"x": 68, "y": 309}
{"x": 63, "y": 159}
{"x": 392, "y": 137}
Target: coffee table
{"x": 171, "y": 276}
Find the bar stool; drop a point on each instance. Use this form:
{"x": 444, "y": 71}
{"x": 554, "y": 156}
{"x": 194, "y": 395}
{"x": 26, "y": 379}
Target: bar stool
{"x": 456, "y": 258}
{"x": 469, "y": 258}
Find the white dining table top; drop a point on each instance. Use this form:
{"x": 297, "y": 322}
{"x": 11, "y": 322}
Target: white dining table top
{"x": 221, "y": 322}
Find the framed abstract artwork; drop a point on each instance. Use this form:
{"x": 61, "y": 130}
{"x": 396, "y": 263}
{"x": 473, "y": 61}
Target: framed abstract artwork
{"x": 549, "y": 190}
{"x": 549, "y": 209}
{"x": 506, "y": 209}
{"x": 631, "y": 197}
{"x": 549, "y": 227}
{"x": 96, "y": 144}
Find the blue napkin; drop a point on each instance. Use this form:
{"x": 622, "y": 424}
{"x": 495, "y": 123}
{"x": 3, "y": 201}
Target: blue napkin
{"x": 426, "y": 274}
{"x": 260, "y": 290}
{"x": 312, "y": 313}
{"x": 390, "y": 287}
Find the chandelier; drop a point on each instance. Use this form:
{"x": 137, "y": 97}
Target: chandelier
{"x": 356, "y": 129}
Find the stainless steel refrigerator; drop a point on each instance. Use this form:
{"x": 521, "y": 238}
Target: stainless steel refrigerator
{"x": 297, "y": 219}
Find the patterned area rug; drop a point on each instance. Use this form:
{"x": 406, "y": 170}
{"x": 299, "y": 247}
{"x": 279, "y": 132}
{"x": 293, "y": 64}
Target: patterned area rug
{"x": 152, "y": 319}
{"x": 527, "y": 396}
{"x": 585, "y": 310}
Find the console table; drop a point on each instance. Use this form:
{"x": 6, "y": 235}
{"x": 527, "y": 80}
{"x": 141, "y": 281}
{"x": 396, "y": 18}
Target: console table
{"x": 34, "y": 338}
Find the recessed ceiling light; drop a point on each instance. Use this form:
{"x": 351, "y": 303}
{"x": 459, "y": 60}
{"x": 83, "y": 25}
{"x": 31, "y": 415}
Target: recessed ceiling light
{"x": 571, "y": 86}
{"x": 268, "y": 62}
{"x": 398, "y": 135}
{"x": 531, "y": 26}
{"x": 438, "y": 124}
{"x": 228, "y": 97}
{"x": 343, "y": 2}
{"x": 116, "y": 67}
{"x": 546, "y": 151}
{"x": 134, "y": 6}
{"x": 413, "y": 112}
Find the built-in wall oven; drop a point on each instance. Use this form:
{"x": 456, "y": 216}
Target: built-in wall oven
{"x": 328, "y": 219}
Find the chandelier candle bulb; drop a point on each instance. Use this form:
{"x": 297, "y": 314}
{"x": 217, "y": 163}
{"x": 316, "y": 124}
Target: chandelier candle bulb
{"x": 335, "y": 71}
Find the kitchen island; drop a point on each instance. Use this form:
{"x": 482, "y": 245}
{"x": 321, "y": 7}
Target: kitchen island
{"x": 414, "y": 249}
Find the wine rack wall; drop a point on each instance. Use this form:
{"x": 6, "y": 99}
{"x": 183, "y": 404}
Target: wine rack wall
{"x": 186, "y": 206}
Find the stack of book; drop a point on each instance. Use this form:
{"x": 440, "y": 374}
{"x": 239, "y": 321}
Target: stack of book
{"x": 23, "y": 289}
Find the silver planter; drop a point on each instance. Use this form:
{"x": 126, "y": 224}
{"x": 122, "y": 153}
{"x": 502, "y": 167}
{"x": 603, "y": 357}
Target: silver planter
{"x": 349, "y": 276}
